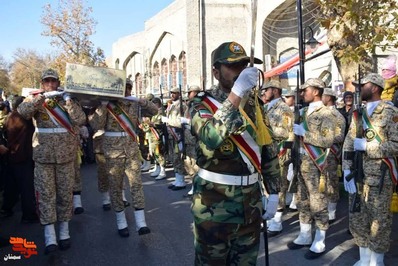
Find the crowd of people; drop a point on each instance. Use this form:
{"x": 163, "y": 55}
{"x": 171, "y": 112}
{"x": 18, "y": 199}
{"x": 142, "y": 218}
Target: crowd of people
{"x": 249, "y": 156}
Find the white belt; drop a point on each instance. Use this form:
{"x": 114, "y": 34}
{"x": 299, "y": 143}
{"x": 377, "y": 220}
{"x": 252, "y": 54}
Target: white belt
{"x": 244, "y": 180}
{"x": 51, "y": 130}
{"x": 115, "y": 134}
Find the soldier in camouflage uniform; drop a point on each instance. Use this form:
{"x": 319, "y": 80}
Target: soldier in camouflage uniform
{"x": 121, "y": 153}
{"x": 333, "y": 170}
{"x": 227, "y": 198}
{"x": 281, "y": 122}
{"x": 173, "y": 120}
{"x": 156, "y": 145}
{"x": 316, "y": 131}
{"x": 371, "y": 226}
{"x": 54, "y": 153}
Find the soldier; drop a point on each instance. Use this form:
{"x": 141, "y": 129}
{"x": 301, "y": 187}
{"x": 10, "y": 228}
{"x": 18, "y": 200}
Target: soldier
{"x": 371, "y": 226}
{"x": 226, "y": 202}
{"x": 190, "y": 141}
{"x": 119, "y": 119}
{"x": 281, "y": 122}
{"x": 54, "y": 152}
{"x": 156, "y": 145}
{"x": 333, "y": 161}
{"x": 144, "y": 141}
{"x": 173, "y": 120}
{"x": 316, "y": 132}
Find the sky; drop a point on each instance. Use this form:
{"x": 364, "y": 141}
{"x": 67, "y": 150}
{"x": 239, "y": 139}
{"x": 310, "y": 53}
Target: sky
{"x": 20, "y": 25}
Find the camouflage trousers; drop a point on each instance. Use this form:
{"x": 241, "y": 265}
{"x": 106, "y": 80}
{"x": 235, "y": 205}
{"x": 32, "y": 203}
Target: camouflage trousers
{"x": 371, "y": 227}
{"x": 156, "y": 150}
{"x": 332, "y": 180}
{"x": 77, "y": 184}
{"x": 283, "y": 183}
{"x": 116, "y": 168}
{"x": 226, "y": 244}
{"x": 178, "y": 163}
{"x": 54, "y": 186}
{"x": 190, "y": 161}
{"x": 103, "y": 181}
{"x": 312, "y": 204}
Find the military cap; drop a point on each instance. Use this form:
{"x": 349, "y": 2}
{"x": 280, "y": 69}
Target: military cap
{"x": 329, "y": 91}
{"x": 230, "y": 53}
{"x": 374, "y": 78}
{"x": 150, "y": 96}
{"x": 288, "y": 92}
{"x": 175, "y": 89}
{"x": 129, "y": 82}
{"x": 272, "y": 84}
{"x": 313, "y": 82}
{"x": 194, "y": 88}
{"x": 49, "y": 73}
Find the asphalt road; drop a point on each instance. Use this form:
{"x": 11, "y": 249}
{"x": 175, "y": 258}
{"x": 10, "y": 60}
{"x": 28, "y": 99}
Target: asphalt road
{"x": 95, "y": 240}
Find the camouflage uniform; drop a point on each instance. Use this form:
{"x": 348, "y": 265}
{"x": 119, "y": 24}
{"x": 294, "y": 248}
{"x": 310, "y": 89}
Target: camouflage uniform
{"x": 333, "y": 160}
{"x": 122, "y": 152}
{"x": 174, "y": 124}
{"x": 156, "y": 146}
{"x": 54, "y": 155}
{"x": 281, "y": 121}
{"x": 103, "y": 182}
{"x": 224, "y": 212}
{"x": 371, "y": 227}
{"x": 312, "y": 204}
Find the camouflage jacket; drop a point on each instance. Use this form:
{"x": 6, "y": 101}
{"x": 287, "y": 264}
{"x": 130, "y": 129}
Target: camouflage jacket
{"x": 384, "y": 119}
{"x": 52, "y": 147}
{"x": 281, "y": 119}
{"x": 124, "y": 146}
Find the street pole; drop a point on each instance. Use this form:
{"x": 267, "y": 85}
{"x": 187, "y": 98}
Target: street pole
{"x": 300, "y": 41}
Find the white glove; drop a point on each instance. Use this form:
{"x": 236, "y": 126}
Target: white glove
{"x": 290, "y": 172}
{"x": 132, "y": 98}
{"x": 165, "y": 119}
{"x": 52, "y": 94}
{"x": 185, "y": 120}
{"x": 359, "y": 144}
{"x": 180, "y": 146}
{"x": 104, "y": 103}
{"x": 245, "y": 82}
{"x": 349, "y": 186}
{"x": 298, "y": 130}
{"x": 272, "y": 206}
{"x": 66, "y": 96}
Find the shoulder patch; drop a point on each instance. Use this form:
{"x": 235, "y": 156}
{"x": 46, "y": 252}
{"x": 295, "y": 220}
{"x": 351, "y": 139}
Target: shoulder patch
{"x": 204, "y": 113}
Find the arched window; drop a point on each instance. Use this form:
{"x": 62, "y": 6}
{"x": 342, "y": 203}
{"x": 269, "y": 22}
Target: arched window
{"x": 173, "y": 72}
{"x": 163, "y": 75}
{"x": 156, "y": 75}
{"x": 182, "y": 70}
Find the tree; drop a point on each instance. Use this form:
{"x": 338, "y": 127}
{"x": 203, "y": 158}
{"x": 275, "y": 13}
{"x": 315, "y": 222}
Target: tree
{"x": 70, "y": 27}
{"x": 4, "y": 78}
{"x": 27, "y": 69}
{"x": 355, "y": 28}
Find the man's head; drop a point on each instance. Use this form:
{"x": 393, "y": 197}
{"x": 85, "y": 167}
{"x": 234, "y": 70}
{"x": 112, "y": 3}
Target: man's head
{"x": 175, "y": 93}
{"x": 157, "y": 102}
{"x": 348, "y": 98}
{"x": 149, "y": 96}
{"x": 272, "y": 90}
{"x": 50, "y": 80}
{"x": 312, "y": 90}
{"x": 371, "y": 87}
{"x": 193, "y": 90}
{"x": 328, "y": 97}
{"x": 228, "y": 60}
{"x": 289, "y": 96}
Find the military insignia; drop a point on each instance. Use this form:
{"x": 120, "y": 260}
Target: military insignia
{"x": 395, "y": 119}
{"x": 51, "y": 103}
{"x": 370, "y": 134}
{"x": 236, "y": 48}
{"x": 285, "y": 120}
{"x": 250, "y": 102}
{"x": 324, "y": 132}
{"x": 227, "y": 147}
{"x": 44, "y": 117}
{"x": 114, "y": 124}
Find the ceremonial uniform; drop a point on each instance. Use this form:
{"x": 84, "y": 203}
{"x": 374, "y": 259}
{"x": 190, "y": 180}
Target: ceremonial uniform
{"x": 121, "y": 152}
{"x": 371, "y": 226}
{"x": 226, "y": 204}
{"x": 54, "y": 153}
{"x": 317, "y": 133}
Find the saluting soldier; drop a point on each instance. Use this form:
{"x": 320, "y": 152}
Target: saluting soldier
{"x": 371, "y": 227}
{"x": 333, "y": 169}
{"x": 316, "y": 131}
{"x": 226, "y": 202}
{"x": 173, "y": 121}
{"x": 281, "y": 118}
{"x": 54, "y": 116}
{"x": 119, "y": 119}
